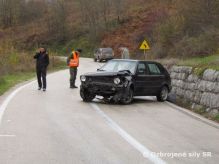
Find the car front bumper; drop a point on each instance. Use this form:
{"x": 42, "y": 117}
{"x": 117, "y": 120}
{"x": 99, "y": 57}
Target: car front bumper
{"x": 103, "y": 89}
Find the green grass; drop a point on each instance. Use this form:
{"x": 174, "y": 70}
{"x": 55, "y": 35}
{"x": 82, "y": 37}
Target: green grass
{"x": 199, "y": 64}
{"x": 216, "y": 118}
{"x": 211, "y": 61}
{"x": 8, "y": 81}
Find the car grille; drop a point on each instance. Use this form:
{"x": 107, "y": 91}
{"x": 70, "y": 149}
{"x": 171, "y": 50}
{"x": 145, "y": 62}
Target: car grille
{"x": 101, "y": 79}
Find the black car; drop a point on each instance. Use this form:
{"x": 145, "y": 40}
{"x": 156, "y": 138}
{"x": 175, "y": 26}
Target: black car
{"x": 120, "y": 80}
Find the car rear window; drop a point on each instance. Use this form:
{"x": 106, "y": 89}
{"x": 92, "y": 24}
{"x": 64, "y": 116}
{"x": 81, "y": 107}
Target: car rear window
{"x": 107, "y": 51}
{"x": 154, "y": 69}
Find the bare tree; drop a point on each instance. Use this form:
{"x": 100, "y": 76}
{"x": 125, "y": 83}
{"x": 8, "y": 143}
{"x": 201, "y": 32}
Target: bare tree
{"x": 105, "y": 11}
{"x": 56, "y": 19}
{"x": 120, "y": 7}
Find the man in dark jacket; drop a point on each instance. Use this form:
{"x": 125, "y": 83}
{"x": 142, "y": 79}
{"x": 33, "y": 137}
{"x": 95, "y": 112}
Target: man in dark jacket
{"x": 42, "y": 62}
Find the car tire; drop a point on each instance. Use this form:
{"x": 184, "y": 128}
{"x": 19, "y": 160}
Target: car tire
{"x": 98, "y": 59}
{"x": 129, "y": 98}
{"x": 86, "y": 95}
{"x": 163, "y": 94}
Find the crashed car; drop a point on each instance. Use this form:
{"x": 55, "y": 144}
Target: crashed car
{"x": 120, "y": 80}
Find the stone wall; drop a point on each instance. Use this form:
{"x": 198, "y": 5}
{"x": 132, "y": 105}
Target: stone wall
{"x": 201, "y": 92}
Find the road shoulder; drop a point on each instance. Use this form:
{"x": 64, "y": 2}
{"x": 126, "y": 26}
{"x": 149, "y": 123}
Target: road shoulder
{"x": 193, "y": 115}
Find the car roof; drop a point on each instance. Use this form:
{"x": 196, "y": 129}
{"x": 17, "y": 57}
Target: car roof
{"x": 135, "y": 60}
{"x": 105, "y": 48}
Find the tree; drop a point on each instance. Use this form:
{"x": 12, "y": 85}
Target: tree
{"x": 119, "y": 6}
{"x": 56, "y": 19}
{"x": 199, "y": 15}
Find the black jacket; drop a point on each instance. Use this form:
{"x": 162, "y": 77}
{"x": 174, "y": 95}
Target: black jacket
{"x": 42, "y": 60}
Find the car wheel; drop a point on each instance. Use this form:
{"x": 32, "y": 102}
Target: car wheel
{"x": 128, "y": 98}
{"x": 163, "y": 94}
{"x": 86, "y": 95}
{"x": 106, "y": 99}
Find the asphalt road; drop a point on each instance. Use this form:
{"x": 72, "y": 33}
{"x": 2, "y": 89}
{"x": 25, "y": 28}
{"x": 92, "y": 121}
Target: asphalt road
{"x": 56, "y": 127}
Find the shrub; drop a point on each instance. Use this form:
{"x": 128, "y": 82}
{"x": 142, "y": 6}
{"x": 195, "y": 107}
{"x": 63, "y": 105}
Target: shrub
{"x": 204, "y": 44}
{"x": 166, "y": 34}
{"x": 2, "y": 81}
{"x": 158, "y": 51}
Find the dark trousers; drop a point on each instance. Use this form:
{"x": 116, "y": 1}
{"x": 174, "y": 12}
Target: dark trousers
{"x": 41, "y": 77}
{"x": 73, "y": 75}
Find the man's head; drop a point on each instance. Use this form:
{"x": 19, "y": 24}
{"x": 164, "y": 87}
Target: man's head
{"x": 79, "y": 50}
{"x": 42, "y": 49}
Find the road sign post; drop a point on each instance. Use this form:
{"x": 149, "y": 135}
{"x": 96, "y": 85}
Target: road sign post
{"x": 145, "y": 46}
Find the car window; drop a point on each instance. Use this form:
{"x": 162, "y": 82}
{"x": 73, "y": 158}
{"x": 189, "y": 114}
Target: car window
{"x": 154, "y": 70}
{"x": 107, "y": 51}
{"x": 142, "y": 70}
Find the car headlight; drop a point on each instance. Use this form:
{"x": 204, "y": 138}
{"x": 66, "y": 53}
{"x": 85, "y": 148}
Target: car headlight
{"x": 83, "y": 78}
{"x": 117, "y": 81}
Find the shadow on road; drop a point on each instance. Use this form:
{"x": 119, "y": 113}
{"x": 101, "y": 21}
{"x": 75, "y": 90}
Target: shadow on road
{"x": 136, "y": 100}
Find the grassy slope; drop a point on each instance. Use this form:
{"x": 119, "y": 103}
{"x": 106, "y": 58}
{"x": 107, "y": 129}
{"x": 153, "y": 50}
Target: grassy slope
{"x": 198, "y": 63}
{"x": 202, "y": 62}
{"x": 217, "y": 118}
{"x": 8, "y": 81}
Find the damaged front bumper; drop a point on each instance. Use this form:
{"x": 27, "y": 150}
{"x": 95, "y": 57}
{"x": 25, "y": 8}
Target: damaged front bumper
{"x": 104, "y": 89}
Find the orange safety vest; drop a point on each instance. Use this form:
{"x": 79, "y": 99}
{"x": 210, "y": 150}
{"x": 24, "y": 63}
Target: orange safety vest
{"x": 75, "y": 61}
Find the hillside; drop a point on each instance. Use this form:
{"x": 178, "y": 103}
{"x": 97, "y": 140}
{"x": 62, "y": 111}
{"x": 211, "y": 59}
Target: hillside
{"x": 172, "y": 28}
{"x": 138, "y": 26}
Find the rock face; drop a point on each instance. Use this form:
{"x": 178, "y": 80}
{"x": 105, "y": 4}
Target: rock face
{"x": 201, "y": 92}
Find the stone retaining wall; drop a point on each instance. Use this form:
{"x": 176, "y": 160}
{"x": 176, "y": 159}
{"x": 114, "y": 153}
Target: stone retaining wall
{"x": 200, "y": 92}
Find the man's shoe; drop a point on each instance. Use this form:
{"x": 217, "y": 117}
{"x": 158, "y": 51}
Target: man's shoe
{"x": 72, "y": 87}
{"x": 44, "y": 89}
{"x": 39, "y": 88}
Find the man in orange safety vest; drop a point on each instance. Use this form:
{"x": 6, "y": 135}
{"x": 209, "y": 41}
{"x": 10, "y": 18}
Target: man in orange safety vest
{"x": 73, "y": 63}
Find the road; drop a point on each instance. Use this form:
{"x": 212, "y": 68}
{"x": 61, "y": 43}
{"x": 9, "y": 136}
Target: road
{"x": 56, "y": 127}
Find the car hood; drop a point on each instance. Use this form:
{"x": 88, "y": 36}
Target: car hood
{"x": 104, "y": 73}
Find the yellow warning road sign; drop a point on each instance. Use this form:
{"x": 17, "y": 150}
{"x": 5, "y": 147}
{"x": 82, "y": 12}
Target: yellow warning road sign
{"x": 144, "y": 46}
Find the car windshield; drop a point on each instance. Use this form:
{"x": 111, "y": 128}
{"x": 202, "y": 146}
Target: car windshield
{"x": 119, "y": 65}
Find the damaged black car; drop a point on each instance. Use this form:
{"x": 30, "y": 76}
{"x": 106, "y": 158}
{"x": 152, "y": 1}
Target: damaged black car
{"x": 120, "y": 80}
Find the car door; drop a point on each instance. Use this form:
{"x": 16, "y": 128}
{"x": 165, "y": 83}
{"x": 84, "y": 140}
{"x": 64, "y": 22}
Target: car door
{"x": 156, "y": 78}
{"x": 141, "y": 79}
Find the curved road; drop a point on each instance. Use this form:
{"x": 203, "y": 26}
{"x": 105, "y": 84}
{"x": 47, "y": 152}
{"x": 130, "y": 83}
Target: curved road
{"x": 56, "y": 127}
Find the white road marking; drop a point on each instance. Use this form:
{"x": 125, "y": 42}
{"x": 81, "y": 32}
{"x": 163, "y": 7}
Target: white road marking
{"x": 9, "y": 98}
{"x": 141, "y": 148}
